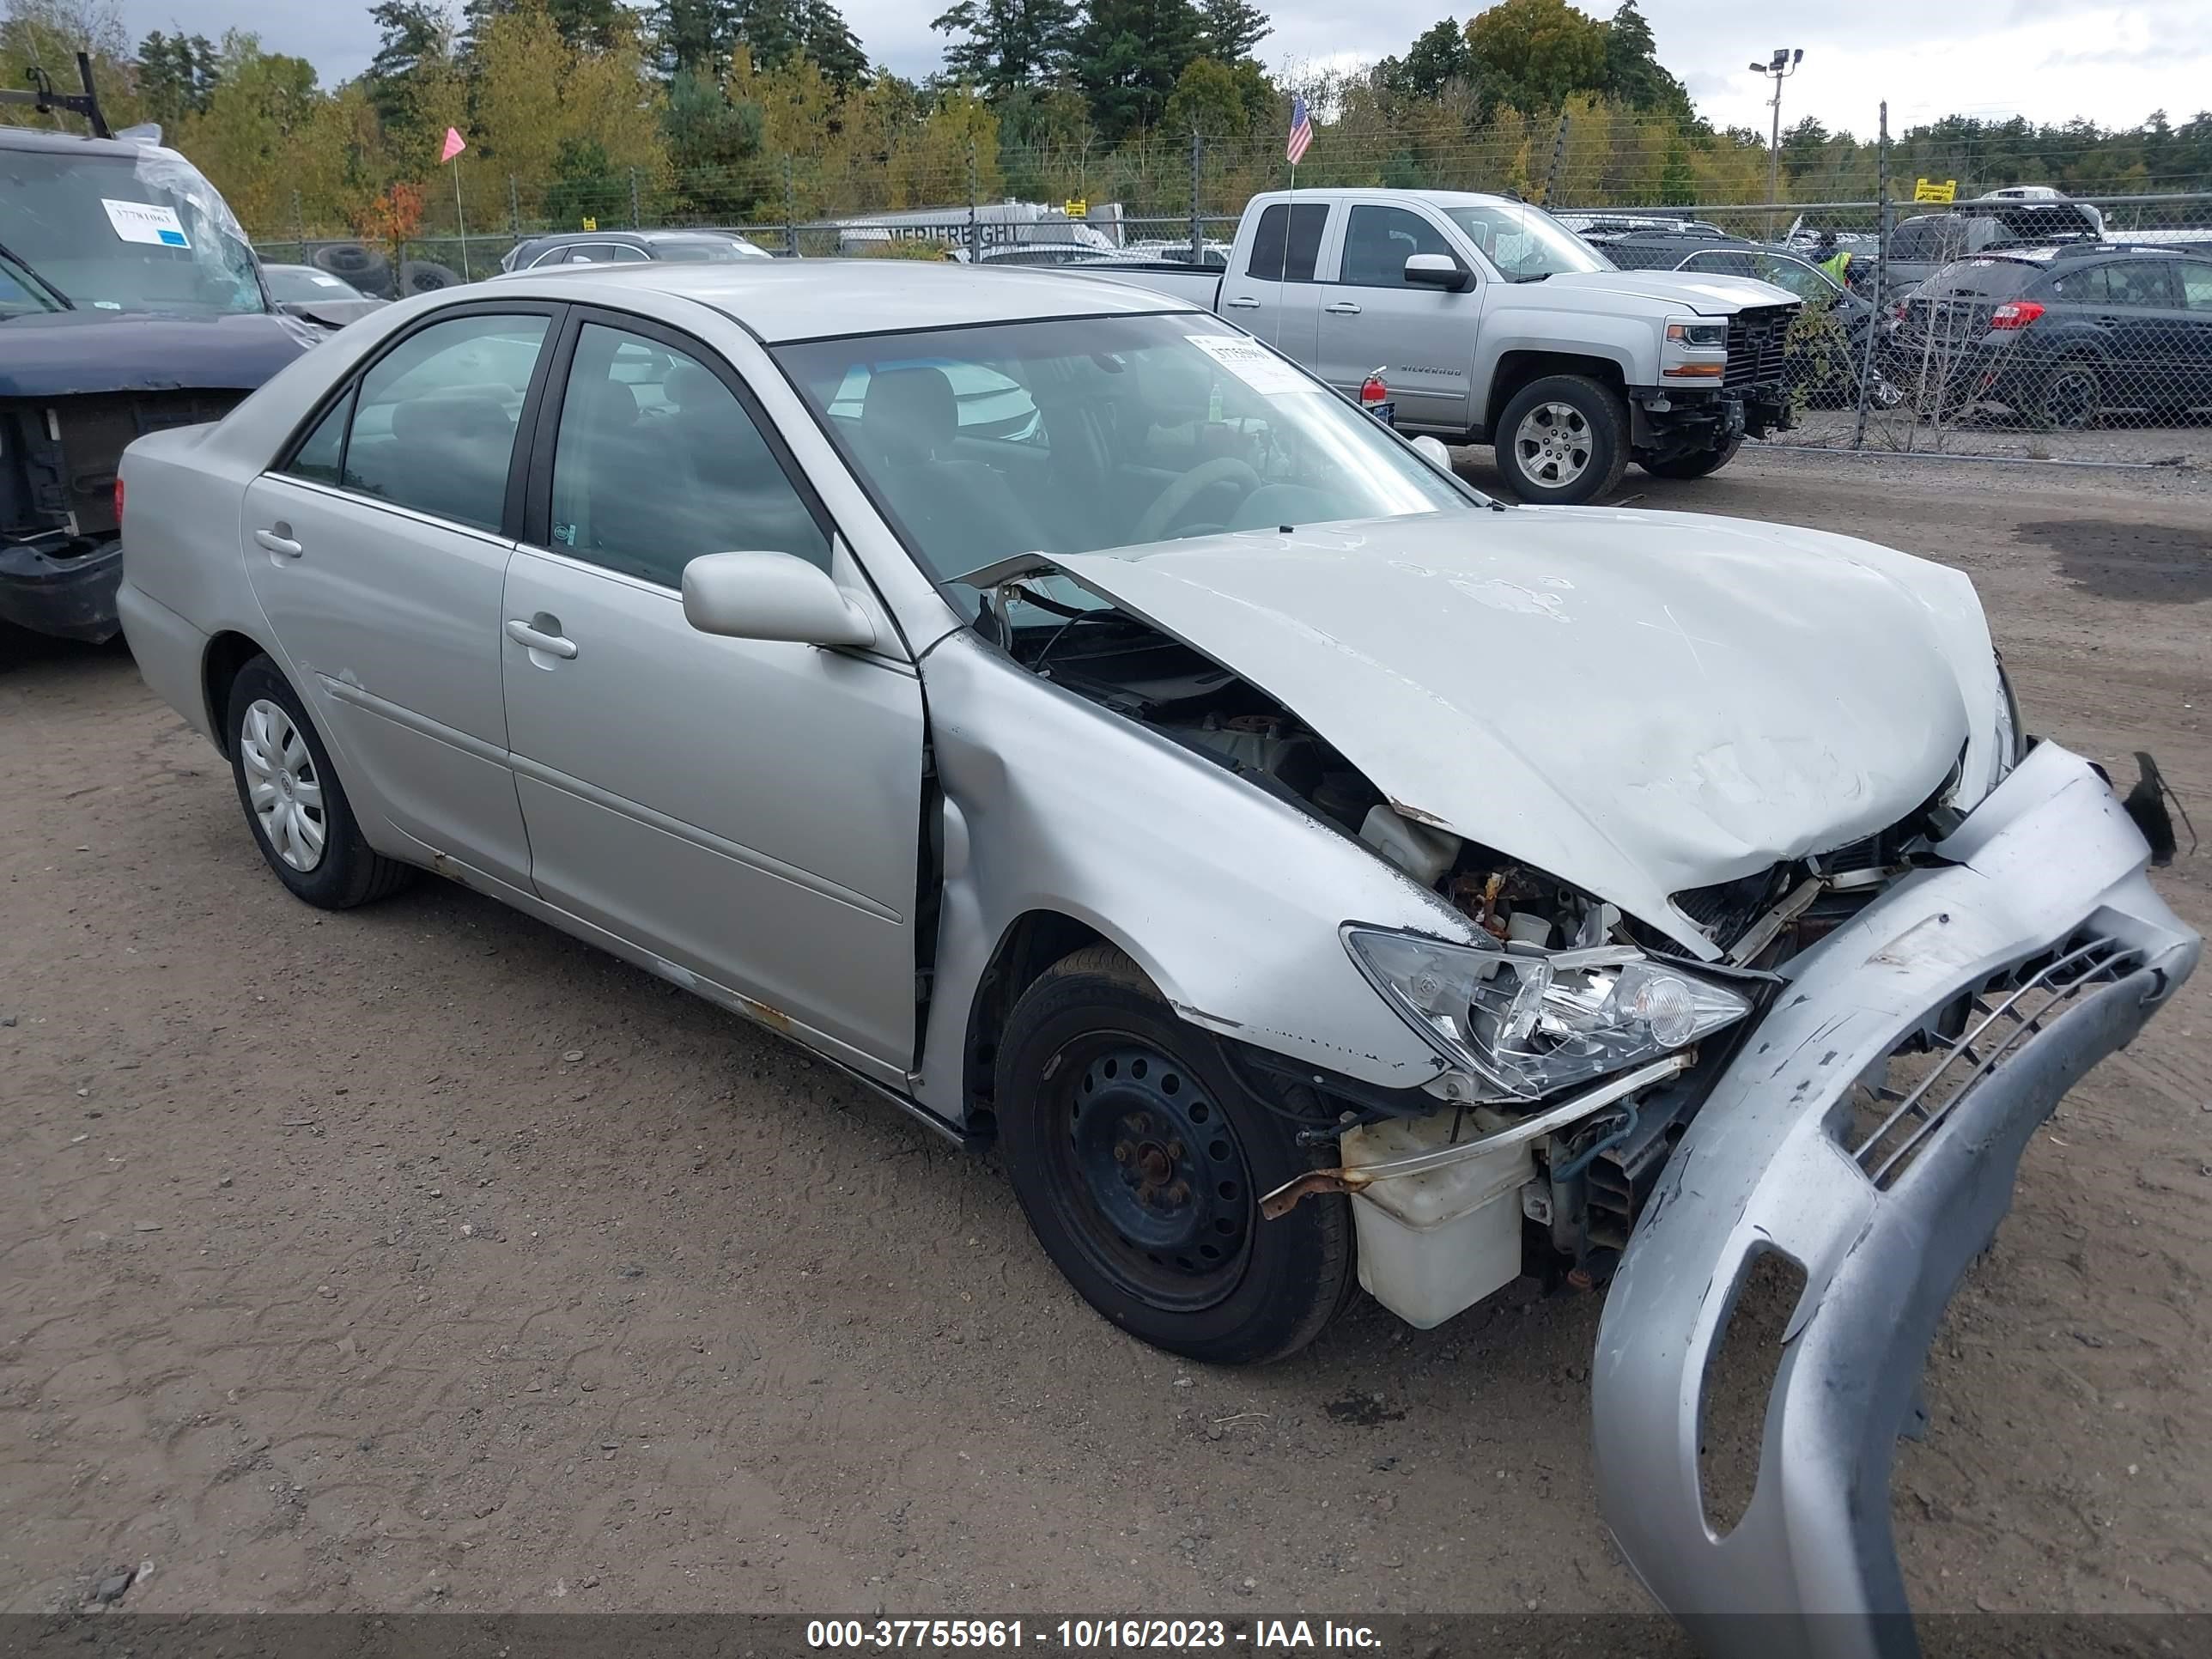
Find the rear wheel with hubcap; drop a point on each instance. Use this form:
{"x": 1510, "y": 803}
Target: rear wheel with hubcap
{"x": 1562, "y": 440}
{"x": 1139, "y": 1160}
{"x": 294, "y": 802}
{"x": 2070, "y": 396}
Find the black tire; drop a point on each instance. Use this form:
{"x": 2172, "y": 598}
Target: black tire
{"x": 364, "y": 267}
{"x": 1093, "y": 1066}
{"x": 1697, "y": 464}
{"x": 1597, "y": 429}
{"x": 426, "y": 277}
{"x": 348, "y": 871}
{"x": 2069, "y": 395}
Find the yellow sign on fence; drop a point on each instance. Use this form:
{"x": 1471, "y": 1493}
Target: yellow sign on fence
{"x": 1075, "y": 207}
{"x": 590, "y": 223}
{"x": 1926, "y": 190}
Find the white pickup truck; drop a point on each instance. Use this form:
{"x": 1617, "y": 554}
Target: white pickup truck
{"x": 1492, "y": 323}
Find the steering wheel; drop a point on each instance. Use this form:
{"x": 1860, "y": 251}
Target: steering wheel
{"x": 1178, "y": 495}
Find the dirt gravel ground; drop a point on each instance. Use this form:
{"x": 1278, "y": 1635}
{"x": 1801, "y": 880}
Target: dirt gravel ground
{"x": 420, "y": 1257}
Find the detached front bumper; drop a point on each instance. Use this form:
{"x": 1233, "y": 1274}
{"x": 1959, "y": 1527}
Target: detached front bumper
{"x": 2038, "y": 951}
{"x": 70, "y": 596}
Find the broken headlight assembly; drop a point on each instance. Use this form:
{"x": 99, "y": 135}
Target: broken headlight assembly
{"x": 2010, "y": 744}
{"x": 1531, "y": 1022}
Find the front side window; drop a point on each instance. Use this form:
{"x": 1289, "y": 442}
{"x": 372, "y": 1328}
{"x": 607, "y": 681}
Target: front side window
{"x": 1378, "y": 240}
{"x": 656, "y": 462}
{"x": 1287, "y": 242}
{"x": 434, "y": 426}
{"x": 1525, "y": 243}
{"x": 1146, "y": 428}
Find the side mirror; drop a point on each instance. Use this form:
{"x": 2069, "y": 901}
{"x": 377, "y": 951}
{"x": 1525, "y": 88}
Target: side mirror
{"x": 1433, "y": 449}
{"x": 1438, "y": 270}
{"x": 771, "y": 596}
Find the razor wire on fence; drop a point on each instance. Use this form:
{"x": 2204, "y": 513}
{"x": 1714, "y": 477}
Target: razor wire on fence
{"x": 2013, "y": 321}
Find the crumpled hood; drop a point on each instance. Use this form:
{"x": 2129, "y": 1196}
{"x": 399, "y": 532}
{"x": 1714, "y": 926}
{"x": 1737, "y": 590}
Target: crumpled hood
{"x": 1638, "y": 703}
{"x": 1678, "y": 291}
{"x": 68, "y": 353}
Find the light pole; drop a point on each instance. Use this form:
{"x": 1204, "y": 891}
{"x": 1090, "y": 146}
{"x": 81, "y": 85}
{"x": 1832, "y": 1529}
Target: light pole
{"x": 1781, "y": 67}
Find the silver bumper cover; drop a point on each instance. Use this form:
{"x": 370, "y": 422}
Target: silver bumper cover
{"x": 2000, "y": 980}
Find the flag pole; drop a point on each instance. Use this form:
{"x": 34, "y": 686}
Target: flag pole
{"x": 459, "y": 220}
{"x": 1283, "y": 279}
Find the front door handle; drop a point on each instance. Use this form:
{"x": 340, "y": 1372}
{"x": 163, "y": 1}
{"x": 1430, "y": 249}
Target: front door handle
{"x": 279, "y": 540}
{"x": 1342, "y": 308}
{"x": 1241, "y": 302}
{"x": 553, "y": 645}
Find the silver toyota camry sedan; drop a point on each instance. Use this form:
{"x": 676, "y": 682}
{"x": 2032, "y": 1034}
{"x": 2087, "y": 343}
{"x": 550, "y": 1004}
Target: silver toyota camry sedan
{"x": 1079, "y": 723}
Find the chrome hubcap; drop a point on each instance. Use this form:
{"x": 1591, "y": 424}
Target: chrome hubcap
{"x": 1552, "y": 444}
{"x": 281, "y": 784}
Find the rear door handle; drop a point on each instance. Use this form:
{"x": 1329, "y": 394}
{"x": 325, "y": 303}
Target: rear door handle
{"x": 1342, "y": 308}
{"x": 276, "y": 541}
{"x": 553, "y": 645}
{"x": 1241, "y": 302}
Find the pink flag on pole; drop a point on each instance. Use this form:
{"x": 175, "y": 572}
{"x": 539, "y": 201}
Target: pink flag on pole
{"x": 454, "y": 145}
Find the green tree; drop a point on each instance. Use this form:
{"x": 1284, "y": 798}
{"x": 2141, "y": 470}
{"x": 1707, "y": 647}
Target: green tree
{"x": 1002, "y": 44}
{"x": 177, "y": 74}
{"x": 1533, "y": 54}
{"x": 1633, "y": 74}
{"x": 1127, "y": 57}
{"x": 1438, "y": 57}
{"x": 1229, "y": 29}
{"x": 415, "y": 39}
{"x": 1220, "y": 100}
{"x": 592, "y": 24}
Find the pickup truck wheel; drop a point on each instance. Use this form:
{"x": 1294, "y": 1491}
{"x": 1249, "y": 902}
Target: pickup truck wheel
{"x": 1140, "y": 1162}
{"x": 1697, "y": 464}
{"x": 1563, "y": 440}
{"x": 295, "y": 805}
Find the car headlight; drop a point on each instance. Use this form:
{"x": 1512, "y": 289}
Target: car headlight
{"x": 1533, "y": 1022}
{"x": 1697, "y": 334}
{"x": 2010, "y": 743}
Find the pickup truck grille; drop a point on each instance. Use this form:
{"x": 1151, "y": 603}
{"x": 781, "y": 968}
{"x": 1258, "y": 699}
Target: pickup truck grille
{"x": 1754, "y": 345}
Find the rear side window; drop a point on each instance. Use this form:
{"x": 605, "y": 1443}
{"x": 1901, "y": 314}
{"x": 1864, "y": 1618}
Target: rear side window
{"x": 2145, "y": 283}
{"x": 433, "y": 425}
{"x": 2082, "y": 286}
{"x": 1272, "y": 259}
{"x": 317, "y": 458}
{"x": 2196, "y": 285}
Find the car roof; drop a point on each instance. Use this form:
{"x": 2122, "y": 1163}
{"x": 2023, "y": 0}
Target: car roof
{"x": 13, "y": 138}
{"x": 790, "y": 300}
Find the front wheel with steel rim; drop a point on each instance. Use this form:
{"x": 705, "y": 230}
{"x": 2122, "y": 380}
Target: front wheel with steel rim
{"x": 294, "y": 802}
{"x": 1141, "y": 1159}
{"x": 1562, "y": 440}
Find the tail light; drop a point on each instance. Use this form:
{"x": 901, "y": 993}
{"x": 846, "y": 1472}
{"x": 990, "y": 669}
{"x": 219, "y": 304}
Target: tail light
{"x": 2016, "y": 313}
{"x": 1372, "y": 391}
{"x": 118, "y": 503}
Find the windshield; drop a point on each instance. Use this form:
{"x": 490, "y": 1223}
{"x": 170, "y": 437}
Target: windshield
{"x": 1070, "y": 435}
{"x": 706, "y": 251}
{"x": 1525, "y": 243}
{"x": 303, "y": 285}
{"x": 124, "y": 233}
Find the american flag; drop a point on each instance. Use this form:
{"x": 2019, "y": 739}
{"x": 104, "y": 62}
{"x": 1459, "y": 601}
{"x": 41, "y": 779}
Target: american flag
{"x": 1300, "y": 129}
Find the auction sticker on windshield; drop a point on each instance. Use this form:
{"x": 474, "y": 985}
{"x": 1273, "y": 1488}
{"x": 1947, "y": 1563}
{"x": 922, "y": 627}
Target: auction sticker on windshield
{"x": 144, "y": 221}
{"x": 1252, "y": 363}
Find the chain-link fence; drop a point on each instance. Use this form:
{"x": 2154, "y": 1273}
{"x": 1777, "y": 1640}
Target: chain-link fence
{"x": 2016, "y": 321}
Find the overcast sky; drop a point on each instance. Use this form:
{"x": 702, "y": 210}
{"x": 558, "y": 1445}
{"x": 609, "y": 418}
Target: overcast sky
{"x": 2046, "y": 59}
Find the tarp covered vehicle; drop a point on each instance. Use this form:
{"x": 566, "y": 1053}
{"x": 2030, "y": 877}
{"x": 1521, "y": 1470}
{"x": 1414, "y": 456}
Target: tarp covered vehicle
{"x": 129, "y": 301}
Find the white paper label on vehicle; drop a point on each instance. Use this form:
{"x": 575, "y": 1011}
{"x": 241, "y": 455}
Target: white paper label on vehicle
{"x": 1254, "y": 364}
{"x": 327, "y": 282}
{"x": 145, "y": 221}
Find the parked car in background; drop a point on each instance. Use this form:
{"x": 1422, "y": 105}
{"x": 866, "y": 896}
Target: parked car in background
{"x": 614, "y": 247}
{"x": 1827, "y": 352}
{"x": 1492, "y": 323}
{"x": 129, "y": 301}
{"x": 1642, "y": 244}
{"x": 2063, "y": 335}
{"x": 316, "y": 296}
{"x": 1309, "y": 872}
{"x": 1922, "y": 246}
